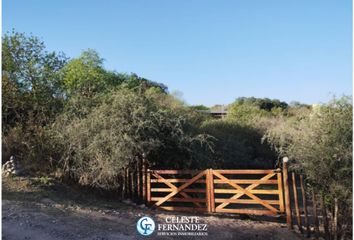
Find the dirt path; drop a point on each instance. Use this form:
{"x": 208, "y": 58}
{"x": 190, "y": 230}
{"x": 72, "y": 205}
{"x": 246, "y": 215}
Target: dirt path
{"x": 48, "y": 220}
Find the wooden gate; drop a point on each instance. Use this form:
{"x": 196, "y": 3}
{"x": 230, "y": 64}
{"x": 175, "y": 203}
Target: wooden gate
{"x": 180, "y": 190}
{"x": 258, "y": 192}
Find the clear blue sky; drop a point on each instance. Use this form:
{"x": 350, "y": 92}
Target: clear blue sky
{"x": 211, "y": 51}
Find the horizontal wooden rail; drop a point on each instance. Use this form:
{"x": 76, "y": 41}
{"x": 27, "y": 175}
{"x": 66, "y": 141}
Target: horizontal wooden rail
{"x": 155, "y": 199}
{"x": 246, "y": 211}
{"x": 246, "y": 171}
{"x": 174, "y": 180}
{"x": 216, "y": 181}
{"x": 161, "y": 172}
{"x": 247, "y": 181}
{"x": 226, "y": 191}
{"x": 190, "y": 190}
{"x": 224, "y": 171}
{"x": 183, "y": 209}
{"x": 231, "y": 191}
{"x": 244, "y": 201}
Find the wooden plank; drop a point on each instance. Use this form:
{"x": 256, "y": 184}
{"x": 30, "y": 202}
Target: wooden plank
{"x": 304, "y": 205}
{"x": 335, "y": 219}
{"x": 155, "y": 199}
{"x": 211, "y": 189}
{"x": 216, "y": 181}
{"x": 173, "y": 187}
{"x": 124, "y": 190}
{"x": 138, "y": 180}
{"x": 246, "y": 192}
{"x": 325, "y": 218}
{"x": 287, "y": 193}
{"x": 247, "y": 181}
{"x": 244, "y": 201}
{"x": 189, "y": 190}
{"x": 207, "y": 197}
{"x": 280, "y": 192}
{"x": 175, "y": 180}
{"x": 246, "y": 211}
{"x": 227, "y": 191}
{"x": 130, "y": 194}
{"x": 133, "y": 187}
{"x": 183, "y": 209}
{"x": 122, "y": 183}
{"x": 315, "y": 216}
{"x": 255, "y": 191}
{"x": 148, "y": 186}
{"x": 144, "y": 167}
{"x": 296, "y": 203}
{"x": 245, "y": 171}
{"x": 185, "y": 185}
{"x": 161, "y": 172}
{"x": 249, "y": 188}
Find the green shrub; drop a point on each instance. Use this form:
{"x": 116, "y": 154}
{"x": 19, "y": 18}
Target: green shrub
{"x": 115, "y": 132}
{"x": 32, "y": 146}
{"x": 319, "y": 142}
{"x": 238, "y": 146}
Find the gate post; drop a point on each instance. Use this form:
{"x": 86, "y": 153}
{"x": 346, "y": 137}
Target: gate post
{"x": 287, "y": 193}
{"x": 211, "y": 189}
{"x": 138, "y": 180}
{"x": 207, "y": 190}
{"x": 148, "y": 186}
{"x": 280, "y": 190}
{"x": 144, "y": 186}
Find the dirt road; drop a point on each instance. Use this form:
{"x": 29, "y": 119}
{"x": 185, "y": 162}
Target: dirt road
{"x": 47, "y": 220}
{"x": 33, "y": 210}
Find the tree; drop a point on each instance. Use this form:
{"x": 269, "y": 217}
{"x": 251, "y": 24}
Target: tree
{"x": 199, "y": 107}
{"x": 31, "y": 96}
{"x": 250, "y": 110}
{"x": 86, "y": 76}
{"x": 133, "y": 81}
{"x": 31, "y": 80}
{"x": 262, "y": 103}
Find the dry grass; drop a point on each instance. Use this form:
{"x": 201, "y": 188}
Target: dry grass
{"x": 32, "y": 190}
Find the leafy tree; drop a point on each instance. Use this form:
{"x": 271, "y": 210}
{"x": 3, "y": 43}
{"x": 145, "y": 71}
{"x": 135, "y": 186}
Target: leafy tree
{"x": 199, "y": 108}
{"x": 31, "y": 96}
{"x": 262, "y": 103}
{"x": 251, "y": 110}
{"x": 86, "y": 76}
{"x": 31, "y": 81}
{"x": 133, "y": 81}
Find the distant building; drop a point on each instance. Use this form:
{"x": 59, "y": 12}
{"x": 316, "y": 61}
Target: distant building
{"x": 217, "y": 111}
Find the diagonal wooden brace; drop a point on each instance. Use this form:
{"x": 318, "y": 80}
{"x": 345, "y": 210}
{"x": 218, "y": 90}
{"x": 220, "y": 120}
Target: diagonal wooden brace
{"x": 173, "y": 187}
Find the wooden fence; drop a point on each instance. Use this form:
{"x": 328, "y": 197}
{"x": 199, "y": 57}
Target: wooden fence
{"x": 253, "y": 192}
{"x": 305, "y": 208}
